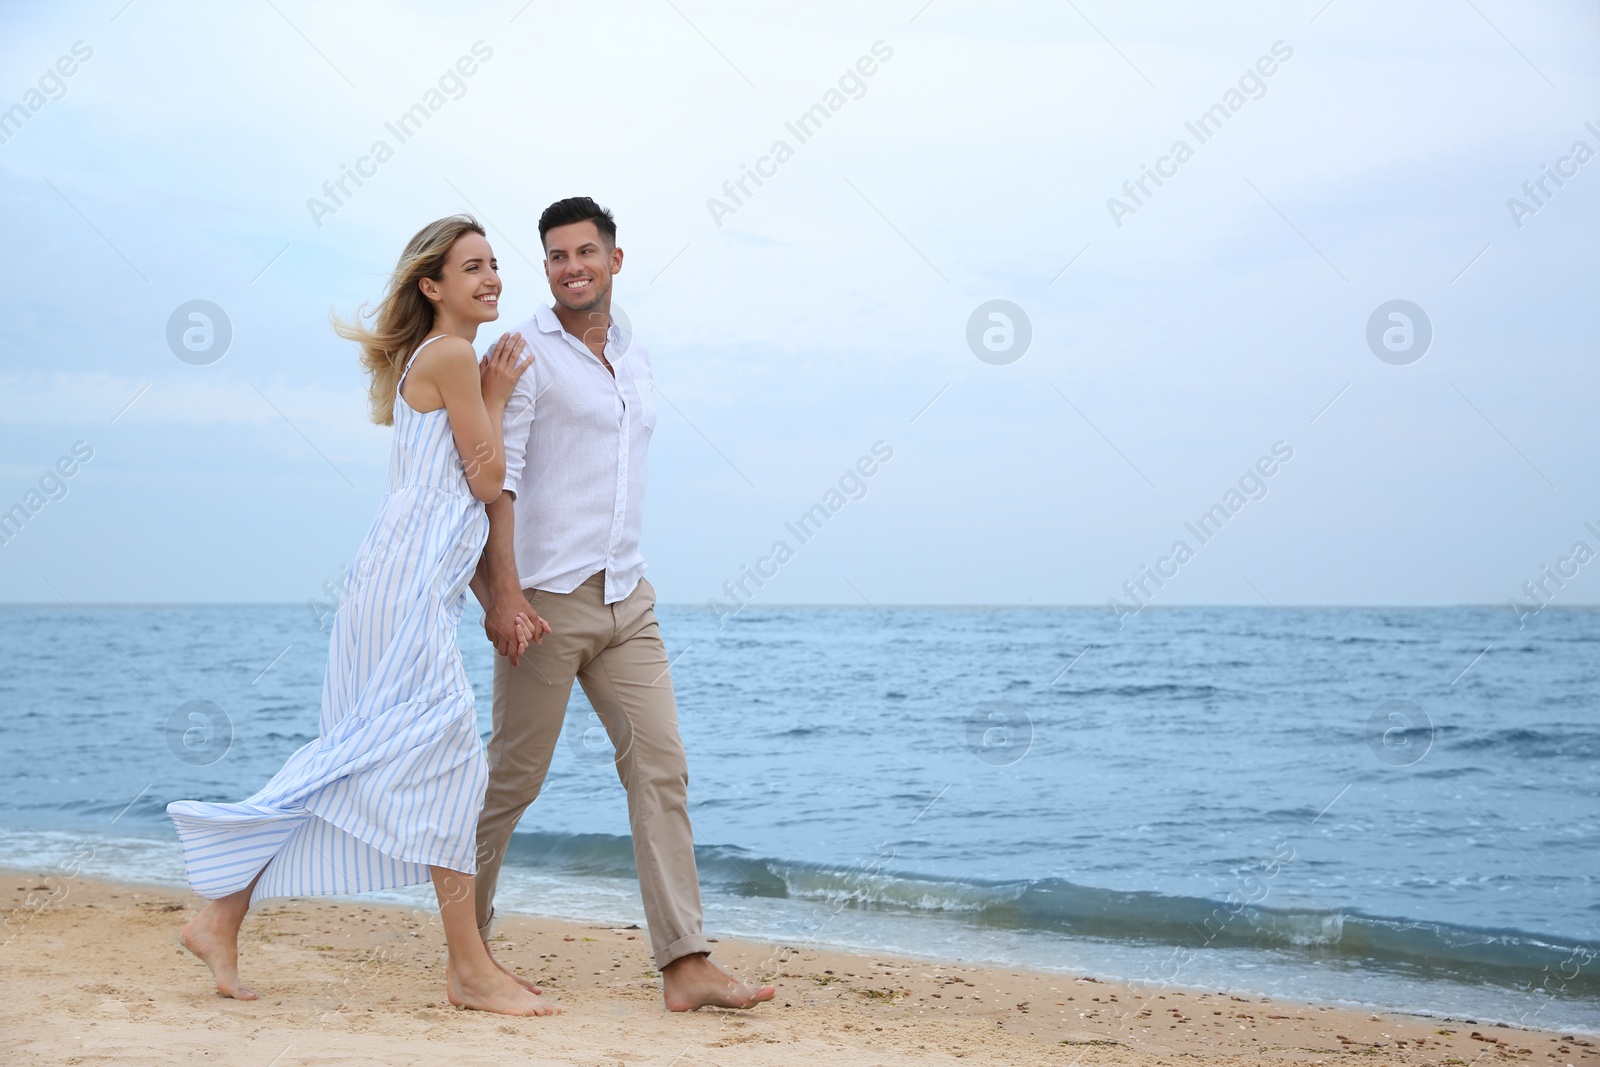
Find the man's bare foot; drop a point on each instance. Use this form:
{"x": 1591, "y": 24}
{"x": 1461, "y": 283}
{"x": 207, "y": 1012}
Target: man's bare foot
{"x": 215, "y": 939}
{"x": 495, "y": 991}
{"x": 515, "y": 977}
{"x": 692, "y": 982}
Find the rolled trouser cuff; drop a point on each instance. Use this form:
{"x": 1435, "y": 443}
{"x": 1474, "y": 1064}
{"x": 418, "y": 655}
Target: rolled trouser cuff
{"x": 684, "y": 946}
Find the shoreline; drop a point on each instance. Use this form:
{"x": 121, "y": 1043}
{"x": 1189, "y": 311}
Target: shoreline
{"x": 96, "y": 974}
{"x": 1369, "y": 986}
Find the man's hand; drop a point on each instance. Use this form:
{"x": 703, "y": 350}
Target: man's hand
{"x": 500, "y": 624}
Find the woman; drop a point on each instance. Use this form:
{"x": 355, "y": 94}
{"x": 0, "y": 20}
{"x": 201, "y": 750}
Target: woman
{"x": 389, "y": 793}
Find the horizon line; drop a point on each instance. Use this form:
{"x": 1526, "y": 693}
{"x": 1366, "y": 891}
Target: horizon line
{"x": 827, "y": 604}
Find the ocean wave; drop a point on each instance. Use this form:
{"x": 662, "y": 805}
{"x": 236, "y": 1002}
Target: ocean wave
{"x": 1162, "y": 689}
{"x": 1524, "y": 743}
{"x": 1422, "y": 948}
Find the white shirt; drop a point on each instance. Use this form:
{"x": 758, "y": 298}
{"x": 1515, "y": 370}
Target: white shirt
{"x": 576, "y": 441}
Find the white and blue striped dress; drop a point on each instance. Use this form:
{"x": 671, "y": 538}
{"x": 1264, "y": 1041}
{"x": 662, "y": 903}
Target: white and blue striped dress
{"x": 395, "y": 781}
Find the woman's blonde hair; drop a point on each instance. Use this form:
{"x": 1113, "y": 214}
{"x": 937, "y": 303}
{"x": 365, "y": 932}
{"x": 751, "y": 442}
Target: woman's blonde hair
{"x": 404, "y": 316}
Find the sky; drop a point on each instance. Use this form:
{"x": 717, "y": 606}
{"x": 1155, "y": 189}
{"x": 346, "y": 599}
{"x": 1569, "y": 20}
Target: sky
{"x": 1181, "y": 338}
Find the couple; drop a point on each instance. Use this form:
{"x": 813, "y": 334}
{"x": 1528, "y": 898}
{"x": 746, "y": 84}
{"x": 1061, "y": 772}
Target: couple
{"x": 523, "y": 479}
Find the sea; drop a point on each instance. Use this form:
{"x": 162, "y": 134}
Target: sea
{"x": 1390, "y": 808}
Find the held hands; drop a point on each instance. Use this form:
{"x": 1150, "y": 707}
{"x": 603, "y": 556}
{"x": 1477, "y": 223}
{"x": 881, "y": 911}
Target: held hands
{"x": 502, "y": 367}
{"x": 527, "y": 630}
{"x": 510, "y": 624}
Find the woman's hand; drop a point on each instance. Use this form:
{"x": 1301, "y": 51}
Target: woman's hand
{"x": 528, "y": 629}
{"x": 502, "y": 367}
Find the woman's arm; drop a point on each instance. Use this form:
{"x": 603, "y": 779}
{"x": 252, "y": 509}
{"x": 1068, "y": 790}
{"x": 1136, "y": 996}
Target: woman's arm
{"x": 475, "y": 398}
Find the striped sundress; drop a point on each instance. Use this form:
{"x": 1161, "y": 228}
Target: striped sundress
{"x": 395, "y": 781}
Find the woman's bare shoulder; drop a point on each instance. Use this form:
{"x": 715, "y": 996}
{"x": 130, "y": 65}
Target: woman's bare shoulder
{"x": 448, "y": 355}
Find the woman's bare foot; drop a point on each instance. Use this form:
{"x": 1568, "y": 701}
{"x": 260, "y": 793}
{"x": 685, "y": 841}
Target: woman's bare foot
{"x": 515, "y": 977}
{"x": 214, "y": 937}
{"x": 692, "y": 982}
{"x": 494, "y": 990}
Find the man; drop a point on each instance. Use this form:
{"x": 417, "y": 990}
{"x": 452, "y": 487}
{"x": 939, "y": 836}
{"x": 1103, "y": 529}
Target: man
{"x": 563, "y": 549}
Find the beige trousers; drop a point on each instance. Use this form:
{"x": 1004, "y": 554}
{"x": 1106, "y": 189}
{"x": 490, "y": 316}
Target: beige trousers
{"x": 616, "y": 653}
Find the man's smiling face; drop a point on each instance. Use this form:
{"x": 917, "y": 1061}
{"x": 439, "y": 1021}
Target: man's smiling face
{"x": 579, "y": 261}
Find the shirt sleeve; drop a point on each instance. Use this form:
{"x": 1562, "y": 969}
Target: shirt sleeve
{"x": 517, "y": 427}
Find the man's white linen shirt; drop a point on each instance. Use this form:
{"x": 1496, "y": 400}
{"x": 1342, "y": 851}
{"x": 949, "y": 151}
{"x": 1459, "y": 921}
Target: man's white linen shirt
{"x": 576, "y": 441}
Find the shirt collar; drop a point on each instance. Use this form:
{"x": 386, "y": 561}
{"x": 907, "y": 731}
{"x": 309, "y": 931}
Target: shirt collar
{"x": 545, "y": 318}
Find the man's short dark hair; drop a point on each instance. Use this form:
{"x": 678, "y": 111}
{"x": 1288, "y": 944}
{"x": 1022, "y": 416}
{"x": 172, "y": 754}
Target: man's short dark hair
{"x": 578, "y": 209}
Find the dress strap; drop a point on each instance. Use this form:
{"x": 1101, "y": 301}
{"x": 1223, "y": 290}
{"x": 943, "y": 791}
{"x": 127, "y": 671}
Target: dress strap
{"x": 413, "y": 359}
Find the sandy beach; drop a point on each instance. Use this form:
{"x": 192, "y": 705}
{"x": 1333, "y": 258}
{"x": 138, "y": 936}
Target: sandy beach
{"x": 93, "y": 974}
